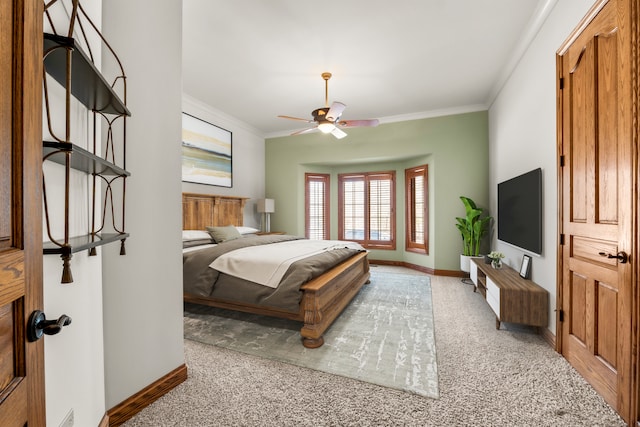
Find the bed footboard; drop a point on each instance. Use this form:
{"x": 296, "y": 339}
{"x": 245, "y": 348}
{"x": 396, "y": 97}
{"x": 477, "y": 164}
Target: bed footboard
{"x": 326, "y": 297}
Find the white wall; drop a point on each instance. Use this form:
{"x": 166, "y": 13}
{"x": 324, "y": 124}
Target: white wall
{"x": 142, "y": 291}
{"x": 74, "y": 365}
{"x": 522, "y": 135}
{"x": 248, "y": 159}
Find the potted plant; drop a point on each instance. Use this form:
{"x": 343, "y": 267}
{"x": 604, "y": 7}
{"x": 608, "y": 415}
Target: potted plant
{"x": 496, "y": 259}
{"x": 473, "y": 226}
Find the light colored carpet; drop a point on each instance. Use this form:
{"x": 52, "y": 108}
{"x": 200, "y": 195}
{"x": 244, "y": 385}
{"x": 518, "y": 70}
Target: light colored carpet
{"x": 487, "y": 377}
{"x": 385, "y": 336}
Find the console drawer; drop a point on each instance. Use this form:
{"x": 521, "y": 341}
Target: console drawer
{"x": 493, "y": 296}
{"x": 473, "y": 273}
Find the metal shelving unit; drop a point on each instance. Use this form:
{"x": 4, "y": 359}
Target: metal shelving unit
{"x": 66, "y": 62}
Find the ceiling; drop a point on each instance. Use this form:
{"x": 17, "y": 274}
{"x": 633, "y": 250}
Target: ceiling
{"x": 255, "y": 59}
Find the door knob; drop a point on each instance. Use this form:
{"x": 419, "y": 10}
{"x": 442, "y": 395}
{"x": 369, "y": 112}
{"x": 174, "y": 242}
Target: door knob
{"x": 39, "y": 325}
{"x": 620, "y": 256}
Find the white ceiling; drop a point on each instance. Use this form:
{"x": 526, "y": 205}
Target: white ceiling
{"x": 256, "y": 59}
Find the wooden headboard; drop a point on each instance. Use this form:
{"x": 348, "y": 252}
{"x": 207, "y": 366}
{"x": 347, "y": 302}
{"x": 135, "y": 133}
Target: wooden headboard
{"x": 202, "y": 210}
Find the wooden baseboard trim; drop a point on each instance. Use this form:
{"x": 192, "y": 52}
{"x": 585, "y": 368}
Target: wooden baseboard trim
{"x": 104, "y": 422}
{"x": 549, "y": 337}
{"x": 450, "y": 273}
{"x": 384, "y": 262}
{"x": 134, "y": 404}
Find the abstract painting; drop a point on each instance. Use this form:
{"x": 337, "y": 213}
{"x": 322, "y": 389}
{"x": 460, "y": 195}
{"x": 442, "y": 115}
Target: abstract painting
{"x": 206, "y": 152}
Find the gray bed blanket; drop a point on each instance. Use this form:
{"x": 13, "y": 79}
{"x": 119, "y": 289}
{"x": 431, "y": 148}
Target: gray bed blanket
{"x": 201, "y": 280}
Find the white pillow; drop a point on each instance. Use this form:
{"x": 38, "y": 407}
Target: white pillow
{"x": 188, "y": 235}
{"x": 247, "y": 230}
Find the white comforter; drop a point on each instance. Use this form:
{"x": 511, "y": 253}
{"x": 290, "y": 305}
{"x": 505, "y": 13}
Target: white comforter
{"x": 267, "y": 264}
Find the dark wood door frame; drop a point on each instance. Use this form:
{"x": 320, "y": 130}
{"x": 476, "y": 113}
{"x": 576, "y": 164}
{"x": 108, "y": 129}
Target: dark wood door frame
{"x": 21, "y": 252}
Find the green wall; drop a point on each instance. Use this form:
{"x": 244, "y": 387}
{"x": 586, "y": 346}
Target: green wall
{"x": 456, "y": 148}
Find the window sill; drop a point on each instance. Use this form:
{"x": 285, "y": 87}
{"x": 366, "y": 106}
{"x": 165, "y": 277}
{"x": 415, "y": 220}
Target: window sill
{"x": 421, "y": 251}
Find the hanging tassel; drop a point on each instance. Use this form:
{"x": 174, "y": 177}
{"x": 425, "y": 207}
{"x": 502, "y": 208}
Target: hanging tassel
{"x": 67, "y": 277}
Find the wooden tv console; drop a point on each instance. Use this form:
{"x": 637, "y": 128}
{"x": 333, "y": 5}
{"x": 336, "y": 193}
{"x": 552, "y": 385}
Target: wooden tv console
{"x": 512, "y": 298}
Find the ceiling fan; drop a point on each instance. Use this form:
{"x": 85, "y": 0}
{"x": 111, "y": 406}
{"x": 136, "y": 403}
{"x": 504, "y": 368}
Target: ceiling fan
{"x": 328, "y": 120}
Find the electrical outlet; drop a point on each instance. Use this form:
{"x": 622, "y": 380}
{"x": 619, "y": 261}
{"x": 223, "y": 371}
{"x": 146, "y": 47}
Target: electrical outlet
{"x": 68, "y": 420}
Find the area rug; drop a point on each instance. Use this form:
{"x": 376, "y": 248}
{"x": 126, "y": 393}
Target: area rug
{"x": 385, "y": 336}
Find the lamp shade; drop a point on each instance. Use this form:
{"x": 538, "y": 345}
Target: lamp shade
{"x": 266, "y": 206}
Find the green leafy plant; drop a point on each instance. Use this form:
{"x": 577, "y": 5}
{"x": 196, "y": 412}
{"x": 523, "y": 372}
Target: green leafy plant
{"x": 472, "y": 227}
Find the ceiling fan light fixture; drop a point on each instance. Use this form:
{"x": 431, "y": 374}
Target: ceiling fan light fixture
{"x": 326, "y": 127}
{"x": 328, "y": 117}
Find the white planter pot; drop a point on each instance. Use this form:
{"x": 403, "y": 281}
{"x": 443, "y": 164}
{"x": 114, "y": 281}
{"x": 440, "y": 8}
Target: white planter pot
{"x": 465, "y": 262}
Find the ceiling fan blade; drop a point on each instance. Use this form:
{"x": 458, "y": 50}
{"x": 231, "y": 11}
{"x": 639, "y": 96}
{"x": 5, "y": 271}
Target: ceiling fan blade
{"x": 303, "y": 131}
{"x": 338, "y": 133}
{"x": 335, "y": 111}
{"x": 296, "y": 118}
{"x": 358, "y": 123}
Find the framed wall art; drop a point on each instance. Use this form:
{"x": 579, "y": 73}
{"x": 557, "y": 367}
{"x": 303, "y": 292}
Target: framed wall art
{"x": 206, "y": 152}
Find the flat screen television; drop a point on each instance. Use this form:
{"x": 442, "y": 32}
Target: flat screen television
{"x": 520, "y": 211}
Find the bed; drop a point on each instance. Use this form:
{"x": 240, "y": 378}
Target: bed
{"x": 316, "y": 303}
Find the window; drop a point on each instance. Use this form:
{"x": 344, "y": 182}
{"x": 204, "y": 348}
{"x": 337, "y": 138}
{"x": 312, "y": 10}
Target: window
{"x": 316, "y": 206}
{"x": 416, "y": 209}
{"x": 366, "y": 209}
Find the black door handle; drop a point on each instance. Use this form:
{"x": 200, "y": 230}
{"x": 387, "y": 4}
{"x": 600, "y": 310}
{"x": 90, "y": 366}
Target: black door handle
{"x": 39, "y": 325}
{"x": 620, "y": 256}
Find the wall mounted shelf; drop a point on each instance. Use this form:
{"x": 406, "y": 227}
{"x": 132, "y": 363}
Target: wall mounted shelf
{"x": 87, "y": 83}
{"x": 81, "y": 159}
{"x": 66, "y": 62}
{"x": 81, "y": 243}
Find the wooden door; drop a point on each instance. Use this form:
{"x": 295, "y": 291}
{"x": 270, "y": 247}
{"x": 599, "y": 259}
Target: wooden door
{"x": 597, "y": 202}
{"x": 21, "y": 362}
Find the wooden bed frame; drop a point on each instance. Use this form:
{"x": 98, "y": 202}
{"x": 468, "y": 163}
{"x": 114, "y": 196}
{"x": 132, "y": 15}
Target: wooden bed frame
{"x": 324, "y": 297}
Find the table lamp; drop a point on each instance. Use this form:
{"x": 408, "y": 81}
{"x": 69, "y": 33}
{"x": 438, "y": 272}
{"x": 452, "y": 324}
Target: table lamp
{"x": 266, "y": 207}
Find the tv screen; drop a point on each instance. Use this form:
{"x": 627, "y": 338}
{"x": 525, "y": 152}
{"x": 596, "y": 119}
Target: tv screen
{"x": 520, "y": 211}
